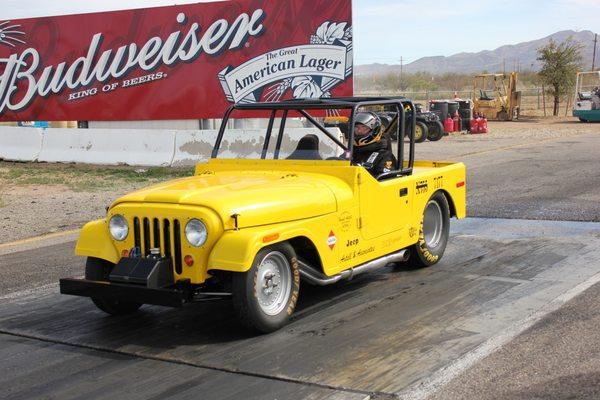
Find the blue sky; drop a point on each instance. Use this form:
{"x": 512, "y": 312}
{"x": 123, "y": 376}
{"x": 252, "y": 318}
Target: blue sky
{"x": 386, "y": 30}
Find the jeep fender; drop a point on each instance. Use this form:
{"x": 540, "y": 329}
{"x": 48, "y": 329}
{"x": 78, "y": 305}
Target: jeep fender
{"x": 235, "y": 250}
{"x": 94, "y": 241}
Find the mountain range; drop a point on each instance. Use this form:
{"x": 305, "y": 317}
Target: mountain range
{"x": 523, "y": 55}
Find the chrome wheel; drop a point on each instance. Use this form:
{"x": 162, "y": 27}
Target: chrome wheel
{"x": 273, "y": 283}
{"x": 433, "y": 224}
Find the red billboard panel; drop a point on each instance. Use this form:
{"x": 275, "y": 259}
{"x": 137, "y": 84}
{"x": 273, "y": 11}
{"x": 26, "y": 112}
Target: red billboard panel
{"x": 177, "y": 62}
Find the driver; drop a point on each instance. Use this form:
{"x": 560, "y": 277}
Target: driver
{"x": 370, "y": 146}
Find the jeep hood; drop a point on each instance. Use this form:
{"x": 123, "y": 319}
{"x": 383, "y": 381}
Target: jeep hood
{"x": 259, "y": 198}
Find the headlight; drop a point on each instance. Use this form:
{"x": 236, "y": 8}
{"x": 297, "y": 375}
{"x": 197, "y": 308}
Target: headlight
{"x": 195, "y": 232}
{"x": 118, "y": 227}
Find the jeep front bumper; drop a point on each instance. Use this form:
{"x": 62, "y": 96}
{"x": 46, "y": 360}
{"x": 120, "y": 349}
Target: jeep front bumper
{"x": 124, "y": 292}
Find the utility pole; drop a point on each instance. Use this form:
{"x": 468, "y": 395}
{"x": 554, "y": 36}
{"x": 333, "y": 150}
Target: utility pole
{"x": 401, "y": 66}
{"x": 594, "y": 56}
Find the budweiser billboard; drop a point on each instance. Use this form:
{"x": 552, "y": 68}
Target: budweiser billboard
{"x": 178, "y": 62}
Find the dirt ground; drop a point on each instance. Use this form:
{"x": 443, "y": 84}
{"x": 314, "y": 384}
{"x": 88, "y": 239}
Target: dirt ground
{"x": 39, "y": 198}
{"x": 536, "y": 127}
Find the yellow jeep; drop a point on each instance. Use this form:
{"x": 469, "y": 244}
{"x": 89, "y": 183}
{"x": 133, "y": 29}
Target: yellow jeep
{"x": 272, "y": 210}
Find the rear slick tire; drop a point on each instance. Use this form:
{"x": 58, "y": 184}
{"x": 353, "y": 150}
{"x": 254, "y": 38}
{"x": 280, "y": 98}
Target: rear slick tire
{"x": 433, "y": 233}
{"x": 265, "y": 296}
{"x": 97, "y": 269}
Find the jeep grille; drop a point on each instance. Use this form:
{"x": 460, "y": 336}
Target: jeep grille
{"x": 161, "y": 234}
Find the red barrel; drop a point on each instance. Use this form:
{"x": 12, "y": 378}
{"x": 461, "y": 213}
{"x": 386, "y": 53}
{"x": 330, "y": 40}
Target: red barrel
{"x": 456, "y": 122}
{"x": 474, "y": 124}
{"x": 480, "y": 124}
{"x": 448, "y": 124}
{"x": 484, "y": 125}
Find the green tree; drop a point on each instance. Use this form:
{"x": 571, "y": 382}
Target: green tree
{"x": 559, "y": 69}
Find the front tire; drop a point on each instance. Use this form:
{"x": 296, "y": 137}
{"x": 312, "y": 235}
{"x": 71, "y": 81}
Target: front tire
{"x": 97, "y": 269}
{"x": 433, "y": 234}
{"x": 265, "y": 296}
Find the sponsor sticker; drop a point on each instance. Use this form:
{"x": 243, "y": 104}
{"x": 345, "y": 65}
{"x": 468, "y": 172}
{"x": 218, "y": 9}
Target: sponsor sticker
{"x": 345, "y": 221}
{"x": 421, "y": 187}
{"x": 372, "y": 157}
{"x": 331, "y": 240}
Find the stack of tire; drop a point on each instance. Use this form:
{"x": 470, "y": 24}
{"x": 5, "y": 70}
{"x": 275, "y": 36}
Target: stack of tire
{"x": 465, "y": 109}
{"x": 428, "y": 126}
{"x": 445, "y": 108}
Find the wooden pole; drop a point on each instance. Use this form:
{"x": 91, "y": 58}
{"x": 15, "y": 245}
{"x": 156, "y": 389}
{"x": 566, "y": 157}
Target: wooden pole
{"x": 544, "y": 98}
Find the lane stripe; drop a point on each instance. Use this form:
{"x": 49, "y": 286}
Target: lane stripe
{"x": 38, "y": 238}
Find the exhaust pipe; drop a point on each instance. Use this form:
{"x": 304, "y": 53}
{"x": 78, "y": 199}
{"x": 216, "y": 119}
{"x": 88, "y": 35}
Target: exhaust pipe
{"x": 314, "y": 277}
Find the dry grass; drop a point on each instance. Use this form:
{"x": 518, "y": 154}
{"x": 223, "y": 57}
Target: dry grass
{"x": 85, "y": 178}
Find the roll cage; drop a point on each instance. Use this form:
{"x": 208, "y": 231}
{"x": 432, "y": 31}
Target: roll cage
{"x": 303, "y": 106}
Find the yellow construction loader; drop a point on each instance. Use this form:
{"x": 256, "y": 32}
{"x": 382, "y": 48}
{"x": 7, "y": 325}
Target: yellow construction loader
{"x": 496, "y": 99}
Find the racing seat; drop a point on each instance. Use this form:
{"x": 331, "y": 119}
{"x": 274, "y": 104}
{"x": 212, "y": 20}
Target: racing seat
{"x": 307, "y": 149}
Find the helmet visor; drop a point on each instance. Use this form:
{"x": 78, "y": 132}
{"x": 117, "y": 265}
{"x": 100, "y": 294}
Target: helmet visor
{"x": 361, "y": 130}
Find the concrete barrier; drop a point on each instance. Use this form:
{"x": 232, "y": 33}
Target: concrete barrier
{"x": 194, "y": 146}
{"x": 108, "y": 146}
{"x": 147, "y": 147}
{"x": 20, "y": 144}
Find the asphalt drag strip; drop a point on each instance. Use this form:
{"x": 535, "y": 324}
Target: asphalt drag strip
{"x": 68, "y": 372}
{"x": 393, "y": 333}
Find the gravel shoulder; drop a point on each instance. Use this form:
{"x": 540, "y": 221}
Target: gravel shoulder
{"x": 39, "y": 198}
